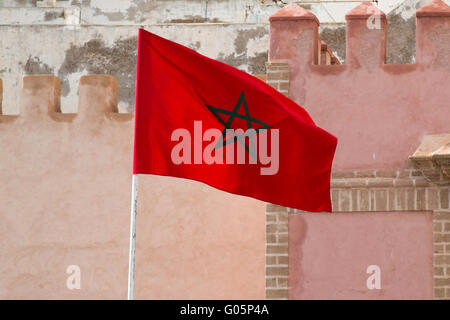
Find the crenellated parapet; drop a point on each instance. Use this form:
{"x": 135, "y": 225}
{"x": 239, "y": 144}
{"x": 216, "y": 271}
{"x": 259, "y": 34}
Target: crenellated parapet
{"x": 294, "y": 36}
{"x": 381, "y": 100}
{"x": 40, "y": 97}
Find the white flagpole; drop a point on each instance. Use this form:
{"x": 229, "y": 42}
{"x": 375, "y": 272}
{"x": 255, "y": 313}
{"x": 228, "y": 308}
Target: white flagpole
{"x": 132, "y": 237}
{"x": 131, "y": 262}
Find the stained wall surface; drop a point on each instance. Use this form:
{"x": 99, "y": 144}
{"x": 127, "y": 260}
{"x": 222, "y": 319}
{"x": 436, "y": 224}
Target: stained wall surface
{"x": 65, "y": 200}
{"x": 100, "y": 37}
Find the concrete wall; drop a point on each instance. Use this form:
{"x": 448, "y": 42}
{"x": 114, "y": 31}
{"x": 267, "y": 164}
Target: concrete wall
{"x": 65, "y": 200}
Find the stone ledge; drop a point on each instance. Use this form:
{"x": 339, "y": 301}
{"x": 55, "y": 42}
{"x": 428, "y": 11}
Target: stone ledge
{"x": 432, "y": 158}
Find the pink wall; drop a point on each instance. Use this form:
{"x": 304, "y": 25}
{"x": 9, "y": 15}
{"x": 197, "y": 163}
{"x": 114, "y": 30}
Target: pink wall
{"x": 65, "y": 196}
{"x": 379, "y": 113}
{"x": 329, "y": 255}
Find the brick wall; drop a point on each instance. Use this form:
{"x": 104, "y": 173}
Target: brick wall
{"x": 277, "y": 270}
{"x": 441, "y": 232}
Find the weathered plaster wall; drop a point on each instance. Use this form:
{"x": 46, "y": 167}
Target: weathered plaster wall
{"x": 112, "y": 50}
{"x": 65, "y": 200}
{"x": 78, "y": 37}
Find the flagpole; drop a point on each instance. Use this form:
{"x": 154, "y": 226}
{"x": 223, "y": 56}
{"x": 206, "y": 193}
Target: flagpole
{"x": 134, "y": 190}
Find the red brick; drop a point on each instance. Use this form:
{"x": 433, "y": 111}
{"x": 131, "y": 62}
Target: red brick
{"x": 357, "y": 183}
{"x": 438, "y": 271}
{"x": 271, "y": 218}
{"x": 381, "y": 200}
{"x": 391, "y": 201}
{"x": 444, "y": 282}
{"x": 342, "y": 175}
{"x": 276, "y": 294}
{"x": 271, "y": 282}
{"x": 344, "y": 200}
{"x": 410, "y": 199}
{"x": 277, "y": 271}
{"x": 439, "y": 248}
{"x": 441, "y": 237}
{"x": 403, "y": 183}
{"x": 273, "y": 249}
{"x": 386, "y": 174}
{"x": 441, "y": 215}
{"x": 275, "y": 208}
{"x": 364, "y": 200}
{"x": 440, "y": 259}
{"x": 271, "y": 260}
{"x": 443, "y": 195}
{"x": 271, "y": 238}
{"x": 400, "y": 201}
{"x": 282, "y": 282}
{"x": 437, "y": 226}
{"x": 432, "y": 199}
{"x": 283, "y": 260}
{"x": 447, "y": 227}
{"x": 421, "y": 182}
{"x": 355, "y": 200}
{"x": 278, "y": 227}
{"x": 439, "y": 292}
{"x": 365, "y": 174}
{"x": 283, "y": 238}
{"x": 420, "y": 199}
{"x": 335, "y": 199}
{"x": 380, "y": 183}
{"x": 284, "y": 86}
{"x": 403, "y": 174}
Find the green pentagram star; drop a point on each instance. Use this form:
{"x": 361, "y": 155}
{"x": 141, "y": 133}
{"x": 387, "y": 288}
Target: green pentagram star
{"x": 232, "y": 115}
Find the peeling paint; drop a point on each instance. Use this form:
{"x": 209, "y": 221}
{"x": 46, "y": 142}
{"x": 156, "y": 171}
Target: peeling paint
{"x": 194, "y": 19}
{"x": 195, "y": 46}
{"x": 35, "y": 66}
{"x": 335, "y": 39}
{"x": 234, "y": 32}
{"x": 53, "y": 15}
{"x": 255, "y": 63}
{"x": 139, "y": 9}
{"x": 401, "y": 39}
{"x": 94, "y": 56}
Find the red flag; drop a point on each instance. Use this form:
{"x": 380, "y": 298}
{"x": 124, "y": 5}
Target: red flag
{"x": 200, "y": 119}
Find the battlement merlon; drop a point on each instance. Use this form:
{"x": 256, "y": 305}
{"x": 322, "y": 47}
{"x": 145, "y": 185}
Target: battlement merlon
{"x": 294, "y": 37}
{"x": 433, "y": 35}
{"x": 40, "y": 96}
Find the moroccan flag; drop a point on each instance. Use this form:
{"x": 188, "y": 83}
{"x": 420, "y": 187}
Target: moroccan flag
{"x": 200, "y": 119}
